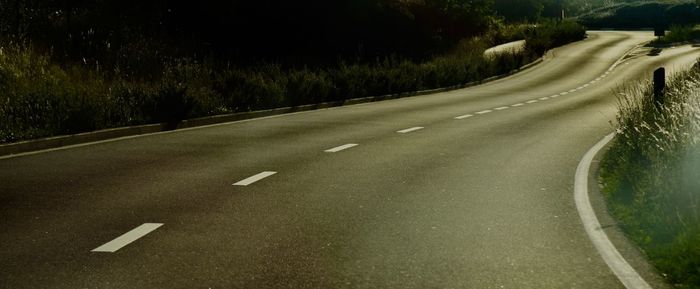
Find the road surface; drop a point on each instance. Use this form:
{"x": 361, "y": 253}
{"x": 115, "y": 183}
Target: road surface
{"x": 471, "y": 188}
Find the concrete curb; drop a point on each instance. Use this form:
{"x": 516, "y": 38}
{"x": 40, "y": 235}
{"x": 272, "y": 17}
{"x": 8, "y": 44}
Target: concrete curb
{"x": 94, "y": 136}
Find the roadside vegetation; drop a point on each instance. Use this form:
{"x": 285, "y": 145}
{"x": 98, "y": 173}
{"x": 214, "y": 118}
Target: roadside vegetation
{"x": 69, "y": 67}
{"x": 679, "y": 34}
{"x": 651, "y": 175}
{"x": 643, "y": 15}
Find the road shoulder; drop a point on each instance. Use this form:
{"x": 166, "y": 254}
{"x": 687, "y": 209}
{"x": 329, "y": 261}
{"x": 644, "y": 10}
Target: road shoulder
{"x": 629, "y": 251}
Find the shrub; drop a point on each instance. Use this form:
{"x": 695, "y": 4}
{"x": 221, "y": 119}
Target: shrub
{"x": 552, "y": 34}
{"x": 679, "y": 33}
{"x": 643, "y": 15}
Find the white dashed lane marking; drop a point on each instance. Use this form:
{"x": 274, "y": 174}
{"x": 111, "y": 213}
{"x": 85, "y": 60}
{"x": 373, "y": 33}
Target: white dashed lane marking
{"x": 340, "y": 148}
{"x": 410, "y": 129}
{"x": 524, "y": 103}
{"x": 601, "y": 77}
{"x": 127, "y": 238}
{"x": 254, "y": 178}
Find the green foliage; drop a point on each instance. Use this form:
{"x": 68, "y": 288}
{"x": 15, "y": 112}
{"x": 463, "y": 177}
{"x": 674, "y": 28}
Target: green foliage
{"x": 551, "y": 34}
{"x": 652, "y": 175}
{"x": 297, "y": 33}
{"x": 43, "y": 99}
{"x": 679, "y": 34}
{"x": 75, "y": 66}
{"x": 33, "y": 89}
{"x": 519, "y": 10}
{"x": 502, "y": 33}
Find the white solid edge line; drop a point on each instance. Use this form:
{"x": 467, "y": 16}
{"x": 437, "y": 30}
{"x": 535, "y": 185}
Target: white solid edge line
{"x": 410, "y": 129}
{"x": 464, "y": 116}
{"x": 254, "y": 178}
{"x": 624, "y": 272}
{"x": 127, "y": 238}
{"x": 340, "y": 148}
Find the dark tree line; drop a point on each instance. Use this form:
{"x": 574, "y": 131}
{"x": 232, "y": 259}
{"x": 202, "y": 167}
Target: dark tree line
{"x": 316, "y": 32}
{"x": 645, "y": 15}
{"x": 237, "y": 30}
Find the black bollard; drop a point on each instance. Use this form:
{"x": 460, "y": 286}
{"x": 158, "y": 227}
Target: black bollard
{"x": 659, "y": 86}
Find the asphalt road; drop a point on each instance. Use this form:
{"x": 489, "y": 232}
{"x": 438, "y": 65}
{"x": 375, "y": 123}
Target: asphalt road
{"x": 483, "y": 201}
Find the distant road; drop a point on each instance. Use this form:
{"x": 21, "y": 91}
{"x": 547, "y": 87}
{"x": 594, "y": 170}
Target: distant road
{"x": 471, "y": 188}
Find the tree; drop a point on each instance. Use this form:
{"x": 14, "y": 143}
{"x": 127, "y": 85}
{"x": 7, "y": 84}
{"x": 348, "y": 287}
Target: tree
{"x": 519, "y": 10}
{"x": 455, "y": 19}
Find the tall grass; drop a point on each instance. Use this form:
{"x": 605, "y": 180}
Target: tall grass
{"x": 651, "y": 175}
{"x": 39, "y": 98}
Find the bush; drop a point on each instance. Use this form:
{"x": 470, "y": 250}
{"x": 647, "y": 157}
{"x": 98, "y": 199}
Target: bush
{"x": 42, "y": 99}
{"x": 552, "y": 34}
{"x": 679, "y": 34}
{"x": 642, "y": 15}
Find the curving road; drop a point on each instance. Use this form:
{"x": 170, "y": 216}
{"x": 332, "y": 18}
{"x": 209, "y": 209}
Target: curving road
{"x": 471, "y": 188}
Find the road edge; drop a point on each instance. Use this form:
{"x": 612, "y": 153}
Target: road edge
{"x": 35, "y": 146}
{"x": 629, "y": 277}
